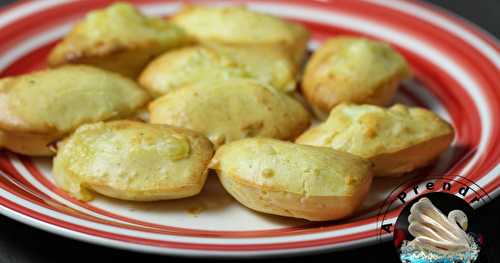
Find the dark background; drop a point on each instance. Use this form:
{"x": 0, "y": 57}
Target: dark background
{"x": 20, "y": 243}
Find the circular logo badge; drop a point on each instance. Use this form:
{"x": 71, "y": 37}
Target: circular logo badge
{"x": 432, "y": 220}
{"x": 437, "y": 227}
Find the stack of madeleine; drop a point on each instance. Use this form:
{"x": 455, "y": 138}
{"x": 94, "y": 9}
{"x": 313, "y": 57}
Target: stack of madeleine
{"x": 142, "y": 108}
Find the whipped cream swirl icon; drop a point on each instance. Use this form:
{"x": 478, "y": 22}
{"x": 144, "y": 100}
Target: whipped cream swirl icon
{"x": 437, "y": 237}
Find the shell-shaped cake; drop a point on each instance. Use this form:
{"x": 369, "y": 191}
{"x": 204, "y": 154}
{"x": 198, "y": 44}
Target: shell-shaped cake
{"x": 237, "y": 25}
{"x": 233, "y": 109}
{"x": 132, "y": 161}
{"x": 189, "y": 65}
{"x": 398, "y": 139}
{"x": 117, "y": 38}
{"x": 283, "y": 178}
{"x": 38, "y": 108}
{"x": 353, "y": 69}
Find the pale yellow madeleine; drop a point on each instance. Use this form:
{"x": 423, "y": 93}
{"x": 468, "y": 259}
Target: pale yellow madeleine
{"x": 238, "y": 25}
{"x": 398, "y": 139}
{"x": 117, "y": 38}
{"x": 283, "y": 178}
{"x": 40, "y": 107}
{"x": 351, "y": 69}
{"x": 132, "y": 161}
{"x": 233, "y": 109}
{"x": 189, "y": 65}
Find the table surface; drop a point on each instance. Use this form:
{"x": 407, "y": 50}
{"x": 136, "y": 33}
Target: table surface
{"x": 20, "y": 243}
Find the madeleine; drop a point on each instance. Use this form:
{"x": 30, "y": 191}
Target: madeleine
{"x": 350, "y": 69}
{"x": 189, "y": 65}
{"x": 233, "y": 109}
{"x": 287, "y": 179}
{"x": 118, "y": 38}
{"x": 397, "y": 140}
{"x": 41, "y": 107}
{"x": 132, "y": 161}
{"x": 239, "y": 26}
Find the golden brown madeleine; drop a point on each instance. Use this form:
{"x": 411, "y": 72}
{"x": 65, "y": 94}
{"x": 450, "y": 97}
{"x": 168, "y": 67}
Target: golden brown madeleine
{"x": 239, "y": 26}
{"x": 189, "y": 65}
{"x": 232, "y": 109}
{"x": 118, "y": 38}
{"x": 40, "y": 107}
{"x": 350, "y": 69}
{"x": 132, "y": 161}
{"x": 283, "y": 178}
{"x": 397, "y": 139}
